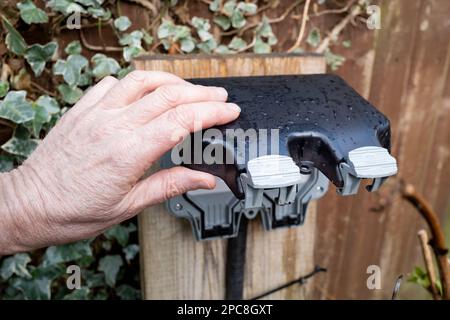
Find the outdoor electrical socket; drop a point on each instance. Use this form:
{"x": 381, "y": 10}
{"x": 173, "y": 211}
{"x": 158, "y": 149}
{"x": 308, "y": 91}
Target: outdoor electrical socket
{"x": 295, "y": 134}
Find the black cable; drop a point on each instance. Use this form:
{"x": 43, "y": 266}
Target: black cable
{"x": 235, "y": 264}
{"x": 301, "y": 280}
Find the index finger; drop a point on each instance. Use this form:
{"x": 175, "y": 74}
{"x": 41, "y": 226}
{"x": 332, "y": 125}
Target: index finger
{"x": 135, "y": 85}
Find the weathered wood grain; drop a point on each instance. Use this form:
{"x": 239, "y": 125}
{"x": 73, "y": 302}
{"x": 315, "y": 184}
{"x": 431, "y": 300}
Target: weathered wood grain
{"x": 408, "y": 81}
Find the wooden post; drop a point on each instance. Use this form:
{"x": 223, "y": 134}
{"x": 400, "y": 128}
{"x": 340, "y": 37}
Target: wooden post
{"x": 173, "y": 264}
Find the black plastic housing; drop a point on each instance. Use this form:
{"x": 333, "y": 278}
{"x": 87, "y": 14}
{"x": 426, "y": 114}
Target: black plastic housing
{"x": 320, "y": 120}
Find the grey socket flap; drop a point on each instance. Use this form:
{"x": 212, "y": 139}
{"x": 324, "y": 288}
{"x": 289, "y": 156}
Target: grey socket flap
{"x": 273, "y": 171}
{"x": 371, "y": 162}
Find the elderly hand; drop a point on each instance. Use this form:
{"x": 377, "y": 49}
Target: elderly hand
{"x": 86, "y": 175}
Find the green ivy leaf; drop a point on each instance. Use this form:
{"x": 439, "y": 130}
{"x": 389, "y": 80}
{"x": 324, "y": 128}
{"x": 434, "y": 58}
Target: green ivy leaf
{"x": 333, "y": 60}
{"x": 229, "y": 7}
{"x": 181, "y": 32}
{"x": 169, "y": 33}
{"x": 132, "y": 39}
{"x": 70, "y": 94}
{"x": 14, "y": 41}
{"x": 127, "y": 292}
{"x": 30, "y": 13}
{"x": 34, "y": 289}
{"x": 261, "y": 46}
{"x": 107, "y": 245}
{"x": 99, "y": 12}
{"x": 37, "y": 55}
{"x": 4, "y": 88}
{"x": 202, "y": 25}
{"x": 238, "y": 19}
{"x": 20, "y": 147}
{"x": 237, "y": 43}
{"x": 38, "y": 286}
{"x": 66, "y": 7}
{"x": 223, "y": 49}
{"x": 68, "y": 252}
{"x": 104, "y": 66}
{"x": 165, "y": 29}
{"x": 44, "y": 108}
{"x": 16, "y": 264}
{"x": 214, "y": 6}
{"x": 78, "y": 294}
{"x": 90, "y": 3}
{"x": 420, "y": 276}
{"x": 41, "y": 117}
{"x": 49, "y": 103}
{"x": 120, "y": 233}
{"x": 187, "y": 45}
{"x": 110, "y": 266}
{"x": 93, "y": 279}
{"x": 122, "y": 23}
{"x": 148, "y": 39}
{"x": 247, "y": 7}
{"x": 71, "y": 68}
{"x": 123, "y": 72}
{"x": 85, "y": 78}
{"x": 208, "y": 46}
{"x": 130, "y": 252}
{"x": 16, "y": 108}
{"x": 313, "y": 37}
{"x": 223, "y": 22}
{"x": 73, "y": 47}
{"x": 131, "y": 52}
{"x": 347, "y": 44}
{"x": 264, "y": 30}
{"x": 6, "y": 163}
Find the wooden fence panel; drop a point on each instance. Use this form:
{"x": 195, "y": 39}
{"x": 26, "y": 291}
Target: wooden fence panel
{"x": 407, "y": 80}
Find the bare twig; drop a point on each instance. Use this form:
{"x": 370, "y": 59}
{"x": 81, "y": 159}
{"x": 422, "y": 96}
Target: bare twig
{"x": 334, "y": 11}
{"x": 286, "y": 12}
{"x": 146, "y": 4}
{"x": 97, "y": 48}
{"x": 429, "y": 265}
{"x": 6, "y": 71}
{"x": 41, "y": 89}
{"x": 337, "y": 29}
{"x": 250, "y": 45}
{"x": 85, "y": 25}
{"x": 438, "y": 239}
{"x": 302, "y": 27}
{"x": 7, "y": 123}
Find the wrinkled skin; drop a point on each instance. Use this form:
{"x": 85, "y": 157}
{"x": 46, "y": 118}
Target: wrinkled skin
{"x": 87, "y": 174}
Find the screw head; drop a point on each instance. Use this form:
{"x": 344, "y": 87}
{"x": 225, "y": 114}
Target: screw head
{"x": 178, "y": 206}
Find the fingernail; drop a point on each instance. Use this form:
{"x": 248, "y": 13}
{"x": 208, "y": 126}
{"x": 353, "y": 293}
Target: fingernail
{"x": 204, "y": 185}
{"x": 234, "y": 107}
{"x": 222, "y": 92}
